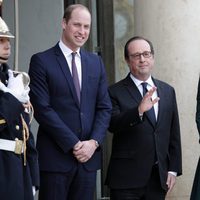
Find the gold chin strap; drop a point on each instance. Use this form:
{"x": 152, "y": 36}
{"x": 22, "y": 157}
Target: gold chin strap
{"x": 25, "y": 132}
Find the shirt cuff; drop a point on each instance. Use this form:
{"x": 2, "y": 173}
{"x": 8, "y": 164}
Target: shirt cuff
{"x": 141, "y": 116}
{"x": 173, "y": 173}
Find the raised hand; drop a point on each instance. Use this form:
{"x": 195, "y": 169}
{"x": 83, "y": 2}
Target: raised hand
{"x": 147, "y": 101}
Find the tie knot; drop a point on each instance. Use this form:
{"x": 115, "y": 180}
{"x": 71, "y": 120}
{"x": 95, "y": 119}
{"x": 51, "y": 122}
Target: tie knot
{"x": 144, "y": 85}
{"x": 73, "y": 54}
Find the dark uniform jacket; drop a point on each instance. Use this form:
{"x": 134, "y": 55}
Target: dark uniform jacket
{"x": 16, "y": 180}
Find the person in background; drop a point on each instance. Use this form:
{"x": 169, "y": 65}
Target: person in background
{"x": 68, "y": 91}
{"x": 19, "y": 169}
{"x": 195, "y": 193}
{"x": 146, "y": 145}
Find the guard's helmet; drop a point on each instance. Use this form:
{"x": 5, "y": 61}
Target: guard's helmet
{"x": 4, "y": 30}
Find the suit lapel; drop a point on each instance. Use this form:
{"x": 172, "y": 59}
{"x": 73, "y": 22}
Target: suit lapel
{"x": 132, "y": 89}
{"x": 65, "y": 69}
{"x": 85, "y": 72}
{"x": 135, "y": 93}
{"x": 161, "y": 103}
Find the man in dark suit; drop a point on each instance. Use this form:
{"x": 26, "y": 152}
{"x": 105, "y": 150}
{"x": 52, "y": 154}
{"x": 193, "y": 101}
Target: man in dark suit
{"x": 73, "y": 115}
{"x": 146, "y": 148}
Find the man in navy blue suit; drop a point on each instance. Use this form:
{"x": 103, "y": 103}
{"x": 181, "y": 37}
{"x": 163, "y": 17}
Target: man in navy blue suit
{"x": 72, "y": 122}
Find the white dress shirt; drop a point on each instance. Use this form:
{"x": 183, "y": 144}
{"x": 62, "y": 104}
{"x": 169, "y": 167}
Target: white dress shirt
{"x": 68, "y": 56}
{"x": 151, "y": 84}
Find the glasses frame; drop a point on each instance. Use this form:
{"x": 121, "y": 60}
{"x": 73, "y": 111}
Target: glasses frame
{"x": 137, "y": 56}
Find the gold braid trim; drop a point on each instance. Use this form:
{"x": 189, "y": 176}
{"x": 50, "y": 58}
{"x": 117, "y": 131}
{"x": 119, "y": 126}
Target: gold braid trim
{"x": 31, "y": 113}
{"x": 2, "y": 121}
{"x": 25, "y": 132}
{"x": 29, "y": 110}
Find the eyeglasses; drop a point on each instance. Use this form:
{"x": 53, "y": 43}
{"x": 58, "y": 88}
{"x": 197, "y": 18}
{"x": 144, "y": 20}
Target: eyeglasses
{"x": 145, "y": 54}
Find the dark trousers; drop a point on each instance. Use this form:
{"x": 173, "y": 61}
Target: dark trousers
{"x": 152, "y": 191}
{"x": 77, "y": 184}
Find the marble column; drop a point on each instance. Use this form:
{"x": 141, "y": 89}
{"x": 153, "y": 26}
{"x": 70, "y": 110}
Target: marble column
{"x": 174, "y": 29}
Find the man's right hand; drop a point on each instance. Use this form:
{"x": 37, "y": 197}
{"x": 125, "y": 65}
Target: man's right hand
{"x": 77, "y": 146}
{"x": 84, "y": 150}
{"x": 147, "y": 101}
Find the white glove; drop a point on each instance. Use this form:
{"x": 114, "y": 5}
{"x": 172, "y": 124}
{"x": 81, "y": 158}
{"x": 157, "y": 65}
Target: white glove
{"x": 16, "y": 87}
{"x": 15, "y": 83}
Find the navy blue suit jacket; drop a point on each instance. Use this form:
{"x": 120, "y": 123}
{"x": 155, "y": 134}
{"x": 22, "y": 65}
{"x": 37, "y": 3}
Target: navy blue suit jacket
{"x": 62, "y": 121}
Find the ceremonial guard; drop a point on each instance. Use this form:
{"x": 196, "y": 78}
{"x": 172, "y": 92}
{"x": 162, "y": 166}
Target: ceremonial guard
{"x": 19, "y": 171}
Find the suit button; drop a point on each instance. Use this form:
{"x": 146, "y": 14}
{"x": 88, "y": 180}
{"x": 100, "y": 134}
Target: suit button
{"x": 133, "y": 123}
{"x": 79, "y": 130}
{"x": 17, "y": 127}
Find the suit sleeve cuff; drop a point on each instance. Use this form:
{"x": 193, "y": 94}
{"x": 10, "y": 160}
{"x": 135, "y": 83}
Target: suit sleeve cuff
{"x": 173, "y": 173}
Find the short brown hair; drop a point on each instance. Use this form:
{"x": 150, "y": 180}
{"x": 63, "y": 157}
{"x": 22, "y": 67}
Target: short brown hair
{"x": 126, "y": 56}
{"x": 71, "y": 8}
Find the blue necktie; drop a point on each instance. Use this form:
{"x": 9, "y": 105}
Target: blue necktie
{"x": 151, "y": 112}
{"x": 75, "y": 76}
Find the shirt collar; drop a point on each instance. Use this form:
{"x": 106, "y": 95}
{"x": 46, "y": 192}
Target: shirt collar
{"x": 66, "y": 50}
{"x": 138, "y": 82}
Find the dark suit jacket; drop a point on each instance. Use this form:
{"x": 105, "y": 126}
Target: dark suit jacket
{"x": 195, "y": 193}
{"x": 62, "y": 121}
{"x": 138, "y": 144}
{"x": 198, "y": 108}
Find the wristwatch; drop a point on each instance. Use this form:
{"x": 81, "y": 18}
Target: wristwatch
{"x": 96, "y": 143}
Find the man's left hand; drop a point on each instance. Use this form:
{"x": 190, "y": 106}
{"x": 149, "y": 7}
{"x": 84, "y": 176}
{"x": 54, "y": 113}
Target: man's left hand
{"x": 171, "y": 180}
{"x": 86, "y": 151}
